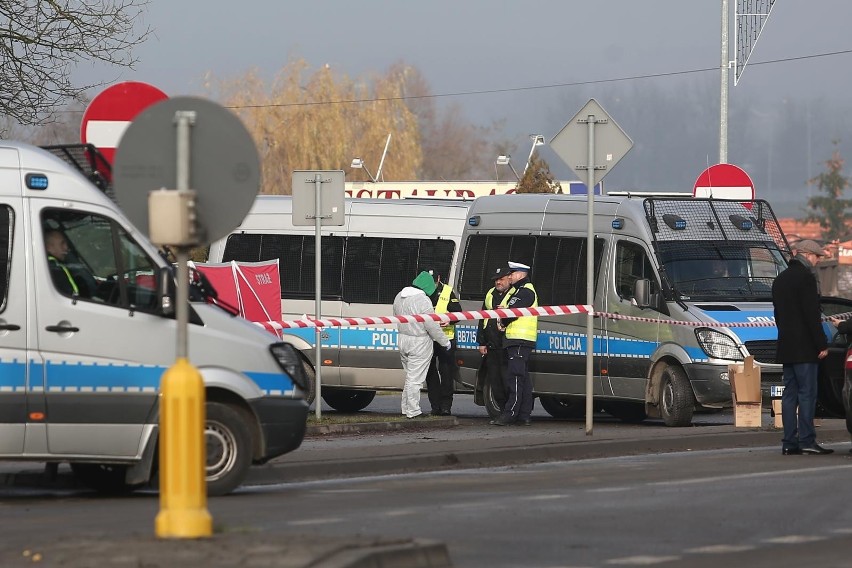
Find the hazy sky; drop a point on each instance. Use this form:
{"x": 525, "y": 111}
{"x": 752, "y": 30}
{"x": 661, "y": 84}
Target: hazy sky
{"x": 483, "y": 45}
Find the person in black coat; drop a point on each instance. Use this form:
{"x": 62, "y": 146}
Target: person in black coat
{"x": 801, "y": 345}
{"x": 490, "y": 338}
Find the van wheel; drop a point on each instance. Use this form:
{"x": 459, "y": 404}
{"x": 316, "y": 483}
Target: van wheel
{"x": 105, "y": 478}
{"x": 630, "y": 412}
{"x": 311, "y": 377}
{"x": 346, "y": 400}
{"x": 493, "y": 408}
{"x": 228, "y": 444}
{"x": 676, "y": 401}
{"x": 562, "y": 407}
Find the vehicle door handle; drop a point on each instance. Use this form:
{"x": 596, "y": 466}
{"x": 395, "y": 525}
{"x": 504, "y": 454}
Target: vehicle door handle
{"x": 62, "y": 328}
{"x": 9, "y": 327}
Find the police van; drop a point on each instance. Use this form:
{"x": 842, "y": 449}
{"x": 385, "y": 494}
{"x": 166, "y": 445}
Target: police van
{"x": 87, "y": 329}
{"x": 379, "y": 250}
{"x": 680, "y": 266}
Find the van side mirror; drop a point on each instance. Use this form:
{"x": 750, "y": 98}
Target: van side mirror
{"x": 166, "y": 291}
{"x": 642, "y": 292}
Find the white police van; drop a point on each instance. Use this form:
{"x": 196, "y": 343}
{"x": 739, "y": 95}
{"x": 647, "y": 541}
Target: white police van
{"x": 672, "y": 260}
{"x": 382, "y": 246}
{"x": 80, "y": 365}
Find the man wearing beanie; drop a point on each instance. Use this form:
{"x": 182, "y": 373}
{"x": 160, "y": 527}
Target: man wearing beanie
{"x": 415, "y": 339}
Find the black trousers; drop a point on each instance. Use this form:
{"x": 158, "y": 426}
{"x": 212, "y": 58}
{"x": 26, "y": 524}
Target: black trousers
{"x": 440, "y": 379}
{"x": 494, "y": 369}
{"x": 519, "y": 403}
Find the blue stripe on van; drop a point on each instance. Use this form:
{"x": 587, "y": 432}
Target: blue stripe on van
{"x": 86, "y": 377}
{"x": 13, "y": 375}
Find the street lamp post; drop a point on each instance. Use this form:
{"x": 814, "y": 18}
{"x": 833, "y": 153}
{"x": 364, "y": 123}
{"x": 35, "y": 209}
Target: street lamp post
{"x": 358, "y": 164}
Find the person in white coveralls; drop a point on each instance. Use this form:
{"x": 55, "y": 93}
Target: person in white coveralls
{"x": 415, "y": 339}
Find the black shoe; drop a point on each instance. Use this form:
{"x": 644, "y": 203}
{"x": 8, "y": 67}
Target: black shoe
{"x": 502, "y": 421}
{"x": 816, "y": 449}
{"x": 791, "y": 451}
{"x": 526, "y": 422}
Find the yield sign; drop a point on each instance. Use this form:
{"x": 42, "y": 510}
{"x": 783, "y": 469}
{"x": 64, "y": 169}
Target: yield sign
{"x": 724, "y": 181}
{"x": 110, "y": 113}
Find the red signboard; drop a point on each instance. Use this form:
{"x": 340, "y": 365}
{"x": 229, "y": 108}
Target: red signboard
{"x": 110, "y": 113}
{"x": 724, "y": 181}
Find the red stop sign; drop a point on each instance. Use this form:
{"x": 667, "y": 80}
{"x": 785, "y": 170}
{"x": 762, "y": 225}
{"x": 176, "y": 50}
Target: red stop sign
{"x": 111, "y": 112}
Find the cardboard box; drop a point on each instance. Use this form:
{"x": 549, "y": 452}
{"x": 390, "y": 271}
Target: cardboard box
{"x": 747, "y": 414}
{"x": 745, "y": 381}
{"x": 776, "y": 410}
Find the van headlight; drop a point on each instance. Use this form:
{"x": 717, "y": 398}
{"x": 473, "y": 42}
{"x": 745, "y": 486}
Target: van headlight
{"x": 290, "y": 361}
{"x": 718, "y": 345}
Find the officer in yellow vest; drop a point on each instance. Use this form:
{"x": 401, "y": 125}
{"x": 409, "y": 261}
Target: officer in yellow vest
{"x": 490, "y": 338}
{"x": 518, "y": 345}
{"x": 440, "y": 380}
{"x": 57, "y": 249}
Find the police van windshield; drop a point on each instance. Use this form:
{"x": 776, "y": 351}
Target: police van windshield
{"x": 721, "y": 270}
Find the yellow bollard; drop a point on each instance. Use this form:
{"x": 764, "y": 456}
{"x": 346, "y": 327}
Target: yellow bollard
{"x": 183, "y": 489}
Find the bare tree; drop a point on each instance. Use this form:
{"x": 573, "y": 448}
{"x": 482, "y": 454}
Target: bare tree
{"x": 42, "y": 40}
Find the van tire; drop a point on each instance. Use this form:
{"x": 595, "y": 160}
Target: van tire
{"x": 105, "y": 478}
{"x": 491, "y": 406}
{"x": 311, "y": 377}
{"x": 563, "y": 407}
{"x": 676, "y": 401}
{"x": 229, "y": 448}
{"x": 348, "y": 400}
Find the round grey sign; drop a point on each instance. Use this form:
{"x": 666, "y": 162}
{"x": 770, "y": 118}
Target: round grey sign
{"x": 224, "y": 165}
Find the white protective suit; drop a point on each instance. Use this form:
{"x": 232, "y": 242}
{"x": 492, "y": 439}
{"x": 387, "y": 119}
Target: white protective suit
{"x": 415, "y": 345}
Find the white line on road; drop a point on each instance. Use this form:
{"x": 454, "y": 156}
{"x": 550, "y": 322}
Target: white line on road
{"x": 750, "y": 475}
{"x": 642, "y": 560}
{"x": 795, "y": 539}
{"x": 309, "y": 522}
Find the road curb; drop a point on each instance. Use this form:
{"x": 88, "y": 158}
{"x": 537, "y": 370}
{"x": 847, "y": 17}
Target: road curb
{"x": 389, "y": 426}
{"x": 509, "y": 454}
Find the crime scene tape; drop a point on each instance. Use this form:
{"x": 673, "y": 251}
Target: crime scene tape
{"x": 453, "y": 317}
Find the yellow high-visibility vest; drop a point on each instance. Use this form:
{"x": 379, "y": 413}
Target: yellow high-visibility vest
{"x": 441, "y": 308}
{"x": 525, "y": 327}
{"x": 67, "y": 273}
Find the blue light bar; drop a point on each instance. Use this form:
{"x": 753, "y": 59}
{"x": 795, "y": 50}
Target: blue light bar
{"x": 35, "y": 181}
{"x": 674, "y": 222}
{"x": 618, "y": 223}
{"x": 473, "y": 221}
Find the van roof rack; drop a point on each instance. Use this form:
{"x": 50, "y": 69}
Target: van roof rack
{"x": 89, "y": 161}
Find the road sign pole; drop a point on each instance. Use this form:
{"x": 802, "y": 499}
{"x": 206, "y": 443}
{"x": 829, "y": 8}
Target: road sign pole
{"x": 318, "y": 294}
{"x": 590, "y": 267}
{"x": 183, "y": 489}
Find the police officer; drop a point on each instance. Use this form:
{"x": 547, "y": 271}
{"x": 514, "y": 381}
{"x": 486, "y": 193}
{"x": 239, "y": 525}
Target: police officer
{"x": 490, "y": 338}
{"x": 518, "y": 345}
{"x": 57, "y": 250}
{"x": 440, "y": 380}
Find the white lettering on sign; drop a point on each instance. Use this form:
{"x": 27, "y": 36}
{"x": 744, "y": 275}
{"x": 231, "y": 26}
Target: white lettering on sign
{"x": 465, "y": 335}
{"x": 383, "y": 339}
{"x": 565, "y": 343}
{"x": 761, "y": 319}
{"x": 263, "y": 278}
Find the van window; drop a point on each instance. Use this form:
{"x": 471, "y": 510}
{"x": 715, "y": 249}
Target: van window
{"x": 558, "y": 265}
{"x": 366, "y": 270}
{"x": 105, "y": 263}
{"x": 7, "y": 225}
{"x": 297, "y": 263}
{"x": 632, "y": 264}
{"x": 377, "y": 268}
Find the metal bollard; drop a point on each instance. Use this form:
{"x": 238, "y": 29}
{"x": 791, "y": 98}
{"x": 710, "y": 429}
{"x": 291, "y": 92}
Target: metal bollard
{"x": 183, "y": 489}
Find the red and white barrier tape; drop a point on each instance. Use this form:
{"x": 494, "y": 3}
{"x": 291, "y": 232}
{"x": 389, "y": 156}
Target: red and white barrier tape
{"x": 453, "y": 317}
